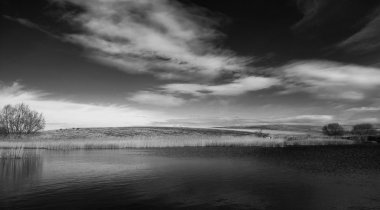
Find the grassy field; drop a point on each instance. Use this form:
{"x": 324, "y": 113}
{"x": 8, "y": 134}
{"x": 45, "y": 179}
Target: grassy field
{"x": 128, "y": 132}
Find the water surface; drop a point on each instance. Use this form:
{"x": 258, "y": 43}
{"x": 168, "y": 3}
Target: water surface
{"x": 195, "y": 178}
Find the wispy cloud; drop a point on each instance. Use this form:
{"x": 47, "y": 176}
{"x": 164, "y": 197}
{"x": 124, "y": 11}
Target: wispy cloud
{"x": 367, "y": 38}
{"x": 332, "y": 80}
{"x": 364, "y": 109}
{"x": 236, "y": 87}
{"x": 371, "y": 120}
{"x": 29, "y": 24}
{"x": 157, "y": 99}
{"x": 161, "y": 37}
{"x": 61, "y": 113}
{"x": 311, "y": 10}
{"x": 208, "y": 122}
{"x": 310, "y": 119}
{"x": 178, "y": 94}
{"x": 231, "y": 121}
{"x": 22, "y": 21}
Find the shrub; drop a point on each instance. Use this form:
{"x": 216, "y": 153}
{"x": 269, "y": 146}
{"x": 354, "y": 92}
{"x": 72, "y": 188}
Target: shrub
{"x": 20, "y": 119}
{"x": 333, "y": 129}
{"x": 363, "y": 130}
{"x": 3, "y": 131}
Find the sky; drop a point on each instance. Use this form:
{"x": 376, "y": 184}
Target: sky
{"x": 106, "y": 63}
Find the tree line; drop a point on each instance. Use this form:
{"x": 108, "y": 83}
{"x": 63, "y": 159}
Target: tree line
{"x": 20, "y": 119}
{"x": 359, "y": 131}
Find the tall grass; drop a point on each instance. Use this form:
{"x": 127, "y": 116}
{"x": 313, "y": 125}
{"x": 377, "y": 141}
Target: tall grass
{"x": 142, "y": 142}
{"x": 13, "y": 153}
{"x": 163, "y": 142}
{"x": 18, "y": 153}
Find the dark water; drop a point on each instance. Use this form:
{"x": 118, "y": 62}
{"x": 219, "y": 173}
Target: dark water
{"x": 195, "y": 178}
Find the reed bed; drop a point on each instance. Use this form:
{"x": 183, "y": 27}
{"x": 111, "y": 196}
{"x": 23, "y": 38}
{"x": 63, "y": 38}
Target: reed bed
{"x": 142, "y": 142}
{"x": 18, "y": 153}
{"x": 13, "y": 153}
{"x": 164, "y": 142}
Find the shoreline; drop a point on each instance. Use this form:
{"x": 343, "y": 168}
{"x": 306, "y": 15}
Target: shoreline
{"x": 162, "y": 137}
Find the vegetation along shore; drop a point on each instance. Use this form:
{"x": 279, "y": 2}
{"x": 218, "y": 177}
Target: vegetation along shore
{"x": 21, "y": 129}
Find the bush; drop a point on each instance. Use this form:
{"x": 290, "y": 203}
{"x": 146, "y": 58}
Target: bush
{"x": 20, "y": 119}
{"x": 363, "y": 130}
{"x": 3, "y": 131}
{"x": 333, "y": 129}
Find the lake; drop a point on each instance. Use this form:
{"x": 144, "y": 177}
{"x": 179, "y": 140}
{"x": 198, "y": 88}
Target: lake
{"x": 330, "y": 177}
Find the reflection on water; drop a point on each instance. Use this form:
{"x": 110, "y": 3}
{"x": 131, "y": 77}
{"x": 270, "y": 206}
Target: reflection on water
{"x": 195, "y": 178}
{"x": 18, "y": 173}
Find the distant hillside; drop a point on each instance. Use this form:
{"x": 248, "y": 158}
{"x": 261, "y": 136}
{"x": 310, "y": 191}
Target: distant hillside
{"x": 312, "y": 129}
{"x": 120, "y": 132}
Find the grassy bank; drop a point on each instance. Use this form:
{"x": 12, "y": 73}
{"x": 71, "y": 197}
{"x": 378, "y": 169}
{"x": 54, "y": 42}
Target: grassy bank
{"x": 128, "y": 132}
{"x": 120, "y": 138}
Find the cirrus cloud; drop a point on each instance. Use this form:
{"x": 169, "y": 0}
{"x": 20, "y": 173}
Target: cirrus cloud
{"x": 364, "y": 109}
{"x": 332, "y": 80}
{"x": 161, "y": 37}
{"x": 310, "y": 119}
{"x": 236, "y": 87}
{"x": 146, "y": 97}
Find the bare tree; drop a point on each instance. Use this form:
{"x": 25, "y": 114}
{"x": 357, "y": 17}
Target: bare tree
{"x": 20, "y": 119}
{"x": 333, "y": 129}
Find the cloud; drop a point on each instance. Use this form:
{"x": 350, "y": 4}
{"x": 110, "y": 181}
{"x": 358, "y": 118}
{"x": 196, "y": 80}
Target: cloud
{"x": 22, "y": 21}
{"x": 29, "y": 24}
{"x": 364, "y": 109}
{"x": 63, "y": 114}
{"x": 367, "y": 38}
{"x": 332, "y": 80}
{"x": 354, "y": 27}
{"x": 365, "y": 120}
{"x": 236, "y": 87}
{"x": 161, "y": 37}
{"x": 233, "y": 121}
{"x": 215, "y": 121}
{"x": 352, "y": 23}
{"x": 312, "y": 10}
{"x": 151, "y": 98}
{"x": 310, "y": 119}
{"x": 177, "y": 94}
